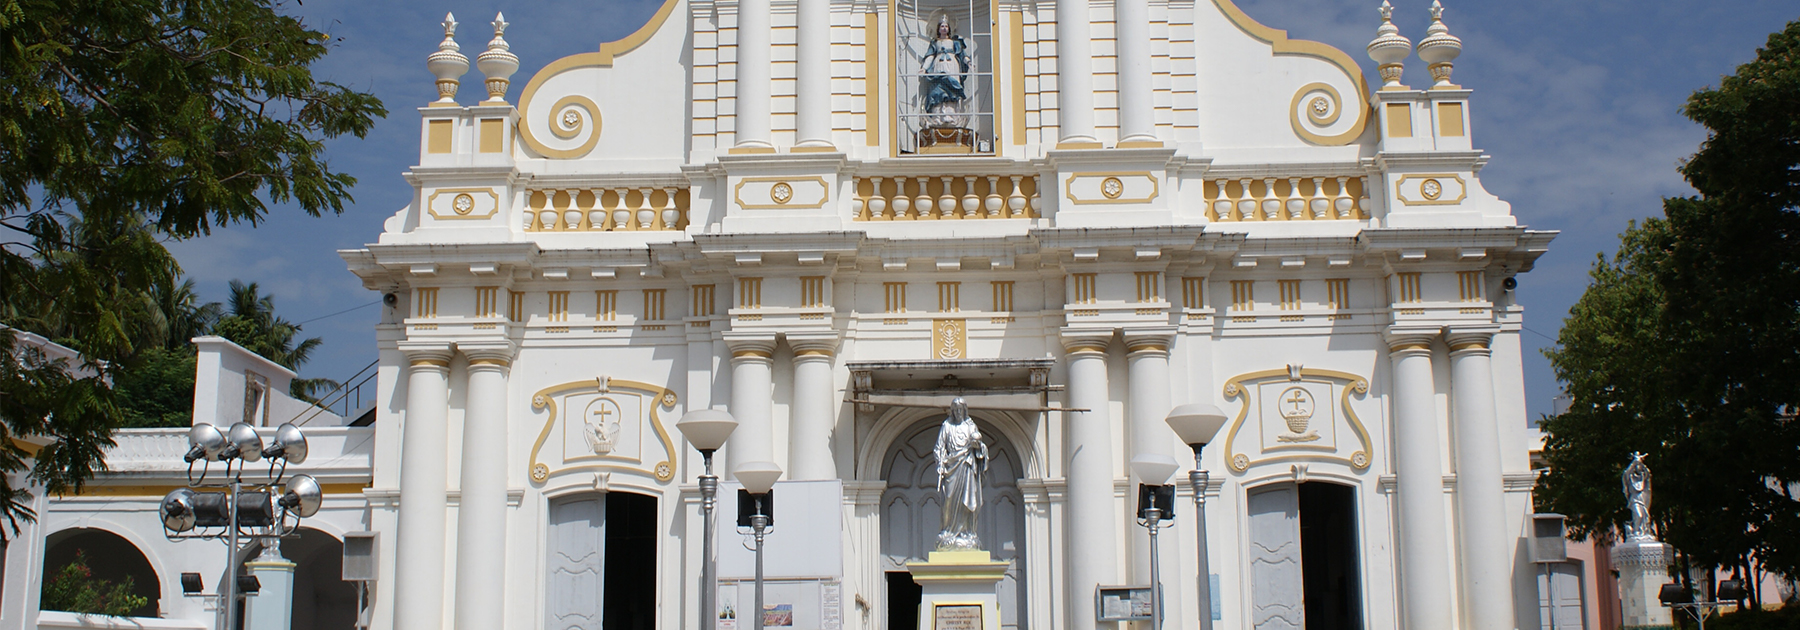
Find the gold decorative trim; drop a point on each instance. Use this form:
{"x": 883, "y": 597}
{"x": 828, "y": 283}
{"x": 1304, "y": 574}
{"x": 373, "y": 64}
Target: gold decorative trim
{"x": 1078, "y": 146}
{"x": 781, "y": 193}
{"x": 660, "y": 397}
{"x": 430, "y": 363}
{"x": 1069, "y": 187}
{"x": 823, "y": 149}
{"x": 431, "y": 204}
{"x": 1335, "y": 104}
{"x": 1147, "y": 347}
{"x": 872, "y": 43}
{"x": 1431, "y": 199}
{"x": 1111, "y": 188}
{"x": 1084, "y": 348}
{"x": 757, "y": 354}
{"x": 568, "y": 132}
{"x": 1469, "y": 345}
{"x": 1140, "y": 144}
{"x": 737, "y": 193}
{"x": 1235, "y": 388}
{"x": 1016, "y": 29}
{"x": 750, "y": 151}
{"x": 499, "y": 362}
{"x": 1410, "y": 345}
{"x": 1281, "y": 45}
{"x": 812, "y": 353}
{"x": 603, "y": 58}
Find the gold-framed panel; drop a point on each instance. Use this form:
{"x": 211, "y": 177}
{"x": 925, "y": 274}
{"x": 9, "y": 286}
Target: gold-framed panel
{"x": 737, "y": 193}
{"x": 660, "y": 398}
{"x": 431, "y": 204}
{"x": 1236, "y": 387}
{"x": 1069, "y": 187}
{"x": 1462, "y": 189}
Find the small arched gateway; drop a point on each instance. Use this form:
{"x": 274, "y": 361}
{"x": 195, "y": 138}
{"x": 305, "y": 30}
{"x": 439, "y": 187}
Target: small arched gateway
{"x": 109, "y": 557}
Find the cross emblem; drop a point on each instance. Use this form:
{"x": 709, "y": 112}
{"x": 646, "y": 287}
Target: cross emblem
{"x": 1298, "y": 401}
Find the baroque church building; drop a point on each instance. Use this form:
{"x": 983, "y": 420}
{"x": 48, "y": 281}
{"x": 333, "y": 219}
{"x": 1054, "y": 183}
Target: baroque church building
{"x": 829, "y": 218}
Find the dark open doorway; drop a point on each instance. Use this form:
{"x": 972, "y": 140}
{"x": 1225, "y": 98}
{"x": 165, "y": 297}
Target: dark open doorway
{"x": 903, "y": 596}
{"x": 1328, "y": 557}
{"x": 630, "y": 562}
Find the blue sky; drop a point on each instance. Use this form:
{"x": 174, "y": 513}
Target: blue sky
{"x": 1577, "y": 102}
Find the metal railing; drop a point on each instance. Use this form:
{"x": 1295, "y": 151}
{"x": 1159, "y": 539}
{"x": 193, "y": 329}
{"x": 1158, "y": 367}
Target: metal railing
{"x": 346, "y": 399}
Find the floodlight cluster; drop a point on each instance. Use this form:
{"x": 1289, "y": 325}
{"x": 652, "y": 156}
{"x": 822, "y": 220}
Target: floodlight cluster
{"x": 267, "y": 504}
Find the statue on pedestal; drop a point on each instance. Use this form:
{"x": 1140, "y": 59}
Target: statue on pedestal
{"x": 946, "y": 63}
{"x": 1636, "y": 480}
{"x": 962, "y": 460}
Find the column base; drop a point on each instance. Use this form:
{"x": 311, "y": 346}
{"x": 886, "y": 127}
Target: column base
{"x": 959, "y": 590}
{"x": 1643, "y": 569}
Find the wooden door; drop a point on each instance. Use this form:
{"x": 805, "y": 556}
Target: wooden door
{"x": 1277, "y": 585}
{"x": 574, "y": 598}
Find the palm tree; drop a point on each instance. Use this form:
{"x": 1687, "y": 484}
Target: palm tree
{"x": 182, "y": 316}
{"x": 254, "y": 325}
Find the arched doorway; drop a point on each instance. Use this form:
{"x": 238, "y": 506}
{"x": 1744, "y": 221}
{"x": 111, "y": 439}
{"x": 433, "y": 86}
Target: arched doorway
{"x": 109, "y": 557}
{"x": 322, "y": 599}
{"x": 1303, "y": 563}
{"x": 911, "y": 516}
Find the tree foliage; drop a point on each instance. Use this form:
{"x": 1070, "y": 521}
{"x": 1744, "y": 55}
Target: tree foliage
{"x": 75, "y": 589}
{"x": 124, "y": 123}
{"x": 1686, "y": 345}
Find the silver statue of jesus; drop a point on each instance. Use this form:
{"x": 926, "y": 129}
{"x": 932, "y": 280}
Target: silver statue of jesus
{"x": 1636, "y": 480}
{"x": 962, "y": 461}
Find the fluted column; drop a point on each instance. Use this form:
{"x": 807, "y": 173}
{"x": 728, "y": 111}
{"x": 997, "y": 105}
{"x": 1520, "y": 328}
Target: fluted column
{"x": 1480, "y": 500}
{"x": 1137, "y": 112}
{"x": 753, "y": 67}
{"x": 481, "y": 512}
{"x": 812, "y": 106}
{"x": 1091, "y": 526}
{"x": 1147, "y": 367}
{"x": 419, "y": 551}
{"x": 809, "y": 435}
{"x": 1074, "y": 77}
{"x": 1424, "y": 545}
{"x": 751, "y": 398}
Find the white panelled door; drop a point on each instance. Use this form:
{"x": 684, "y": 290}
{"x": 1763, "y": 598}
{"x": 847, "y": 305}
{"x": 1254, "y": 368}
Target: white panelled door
{"x": 1565, "y": 577}
{"x": 577, "y": 563}
{"x": 1277, "y": 587}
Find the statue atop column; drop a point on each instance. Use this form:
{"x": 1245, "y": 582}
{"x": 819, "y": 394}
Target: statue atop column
{"x": 1636, "y": 480}
{"x": 962, "y": 460}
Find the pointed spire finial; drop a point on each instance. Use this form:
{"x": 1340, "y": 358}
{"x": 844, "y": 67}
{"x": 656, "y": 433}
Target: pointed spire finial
{"x": 498, "y": 63}
{"x": 448, "y": 63}
{"x": 1389, "y": 49}
{"x": 1439, "y": 49}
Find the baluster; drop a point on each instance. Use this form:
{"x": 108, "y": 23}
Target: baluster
{"x": 1362, "y": 204}
{"x": 1320, "y": 207}
{"x": 858, "y": 202}
{"x": 1222, "y": 204}
{"x": 1037, "y": 197}
{"x": 1245, "y": 205}
{"x": 534, "y": 201}
{"x": 878, "y": 203}
{"x": 922, "y": 205}
{"x": 671, "y": 215}
{"x": 621, "y": 216}
{"x": 1343, "y": 201}
{"x": 971, "y": 204}
{"x": 1271, "y": 208}
{"x": 947, "y": 202}
{"x": 993, "y": 202}
{"x": 645, "y": 216}
{"x": 1296, "y": 206}
{"x": 1015, "y": 199}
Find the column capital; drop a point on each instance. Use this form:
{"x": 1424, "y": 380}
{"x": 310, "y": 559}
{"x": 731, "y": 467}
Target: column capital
{"x": 481, "y": 354}
{"x": 1075, "y": 341}
{"x": 1149, "y": 339}
{"x": 808, "y": 346}
{"x": 426, "y": 354}
{"x": 750, "y": 346}
{"x": 1474, "y": 340}
{"x": 1411, "y": 339}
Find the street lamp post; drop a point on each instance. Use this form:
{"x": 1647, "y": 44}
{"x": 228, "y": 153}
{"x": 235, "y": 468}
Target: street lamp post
{"x": 759, "y": 479}
{"x": 1155, "y": 505}
{"x": 707, "y": 430}
{"x": 1196, "y": 424}
{"x": 229, "y": 506}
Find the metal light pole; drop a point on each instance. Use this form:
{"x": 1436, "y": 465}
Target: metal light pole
{"x": 707, "y": 430}
{"x": 758, "y": 479}
{"x": 1154, "y": 496}
{"x": 1196, "y": 424}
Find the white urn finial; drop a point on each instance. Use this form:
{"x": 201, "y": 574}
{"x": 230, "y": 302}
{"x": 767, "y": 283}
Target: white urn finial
{"x": 1439, "y": 49}
{"x": 498, "y": 62}
{"x": 1389, "y": 49}
{"x": 448, "y": 64}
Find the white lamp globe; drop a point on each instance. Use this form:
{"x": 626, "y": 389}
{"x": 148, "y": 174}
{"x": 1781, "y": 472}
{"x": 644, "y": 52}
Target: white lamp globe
{"x": 1154, "y": 468}
{"x": 757, "y": 477}
{"x": 1196, "y": 423}
{"x": 707, "y": 429}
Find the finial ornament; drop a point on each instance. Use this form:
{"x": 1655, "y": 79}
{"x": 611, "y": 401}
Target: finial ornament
{"x": 448, "y": 64}
{"x": 498, "y": 62}
{"x": 1439, "y": 48}
{"x": 1389, "y": 49}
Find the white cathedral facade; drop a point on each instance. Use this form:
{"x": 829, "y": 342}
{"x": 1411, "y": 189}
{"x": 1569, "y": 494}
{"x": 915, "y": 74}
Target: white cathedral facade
{"x": 829, "y": 217}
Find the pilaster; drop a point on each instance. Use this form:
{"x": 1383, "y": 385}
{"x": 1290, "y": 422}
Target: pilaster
{"x": 1092, "y": 530}
{"x": 1425, "y": 549}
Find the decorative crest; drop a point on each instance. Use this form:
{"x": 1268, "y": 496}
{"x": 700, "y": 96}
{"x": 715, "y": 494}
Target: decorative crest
{"x": 1389, "y": 49}
{"x": 498, "y": 62}
{"x": 448, "y": 64}
{"x": 1439, "y": 48}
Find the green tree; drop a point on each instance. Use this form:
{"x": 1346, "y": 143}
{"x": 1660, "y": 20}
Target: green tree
{"x": 253, "y": 324}
{"x": 75, "y": 589}
{"x": 1686, "y": 345}
{"x": 122, "y": 123}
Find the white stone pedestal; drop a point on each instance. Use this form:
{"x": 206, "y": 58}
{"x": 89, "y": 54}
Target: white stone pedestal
{"x": 959, "y": 590}
{"x": 1643, "y": 569}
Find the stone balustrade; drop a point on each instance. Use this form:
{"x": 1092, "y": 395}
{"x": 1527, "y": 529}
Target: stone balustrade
{"x": 942, "y": 197}
{"x": 1335, "y": 198}
{"x": 606, "y": 210}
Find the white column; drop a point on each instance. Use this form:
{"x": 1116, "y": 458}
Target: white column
{"x": 1074, "y": 77}
{"x": 813, "y": 75}
{"x": 481, "y": 512}
{"x": 1147, "y": 367}
{"x": 1137, "y": 110}
{"x": 1480, "y": 500}
{"x": 419, "y": 545}
{"x": 751, "y": 397}
{"x": 809, "y": 435}
{"x": 273, "y": 606}
{"x": 1092, "y": 537}
{"x": 753, "y": 66}
{"x": 1424, "y": 546}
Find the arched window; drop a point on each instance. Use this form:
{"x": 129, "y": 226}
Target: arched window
{"x": 322, "y": 599}
{"x": 944, "y": 76}
{"x": 109, "y": 557}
